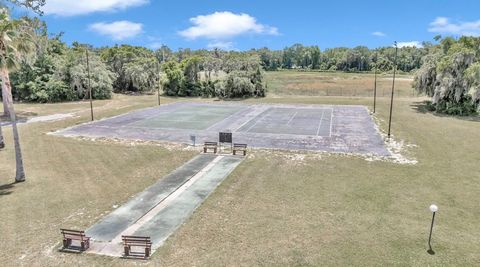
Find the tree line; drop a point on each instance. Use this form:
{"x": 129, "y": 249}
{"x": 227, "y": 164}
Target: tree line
{"x": 356, "y": 59}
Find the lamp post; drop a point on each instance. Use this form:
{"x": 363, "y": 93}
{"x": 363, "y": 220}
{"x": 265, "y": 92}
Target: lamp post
{"x": 393, "y": 89}
{"x": 433, "y": 209}
{"x": 89, "y": 85}
{"x": 375, "y": 84}
{"x": 158, "y": 92}
{"x": 160, "y": 80}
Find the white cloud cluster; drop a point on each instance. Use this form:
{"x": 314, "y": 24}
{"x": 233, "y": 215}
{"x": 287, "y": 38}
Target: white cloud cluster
{"x": 82, "y": 7}
{"x": 225, "y": 25}
{"x": 117, "y": 30}
{"x": 410, "y": 44}
{"x": 380, "y": 34}
{"x": 443, "y": 25}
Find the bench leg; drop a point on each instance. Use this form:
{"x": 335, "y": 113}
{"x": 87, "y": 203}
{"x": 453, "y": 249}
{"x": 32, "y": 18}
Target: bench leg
{"x": 204, "y": 150}
{"x": 245, "y": 152}
{"x": 82, "y": 246}
{"x": 126, "y": 250}
{"x": 147, "y": 252}
{"x": 215, "y": 151}
{"x": 66, "y": 242}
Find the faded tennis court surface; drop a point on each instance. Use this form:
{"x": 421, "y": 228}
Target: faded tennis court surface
{"x": 344, "y": 129}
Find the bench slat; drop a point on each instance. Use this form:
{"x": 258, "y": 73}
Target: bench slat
{"x": 72, "y": 231}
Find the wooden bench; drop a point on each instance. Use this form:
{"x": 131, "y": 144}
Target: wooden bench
{"x": 74, "y": 235}
{"x": 240, "y": 147}
{"x": 210, "y": 145}
{"x": 130, "y": 241}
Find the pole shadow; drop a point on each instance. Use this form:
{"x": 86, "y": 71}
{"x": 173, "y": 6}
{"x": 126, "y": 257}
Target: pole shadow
{"x": 6, "y": 189}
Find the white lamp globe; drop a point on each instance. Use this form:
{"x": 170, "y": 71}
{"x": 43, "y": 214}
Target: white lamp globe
{"x": 433, "y": 208}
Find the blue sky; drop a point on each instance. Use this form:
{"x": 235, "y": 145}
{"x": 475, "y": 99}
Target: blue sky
{"x": 237, "y": 24}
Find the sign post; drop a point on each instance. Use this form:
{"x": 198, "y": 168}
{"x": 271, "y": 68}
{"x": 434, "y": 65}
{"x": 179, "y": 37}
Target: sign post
{"x": 193, "y": 138}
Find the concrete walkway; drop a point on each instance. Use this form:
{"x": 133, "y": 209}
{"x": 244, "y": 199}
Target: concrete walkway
{"x": 160, "y": 209}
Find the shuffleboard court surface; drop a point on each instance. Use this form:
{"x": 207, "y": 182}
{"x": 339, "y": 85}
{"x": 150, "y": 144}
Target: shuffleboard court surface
{"x": 329, "y": 128}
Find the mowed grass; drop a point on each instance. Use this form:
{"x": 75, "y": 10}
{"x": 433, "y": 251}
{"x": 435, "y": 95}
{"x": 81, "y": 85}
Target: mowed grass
{"x": 275, "y": 209}
{"x": 295, "y": 83}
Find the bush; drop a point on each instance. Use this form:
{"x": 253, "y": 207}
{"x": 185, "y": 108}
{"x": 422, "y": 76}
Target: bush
{"x": 465, "y": 107}
{"x": 186, "y": 82}
{"x": 60, "y": 74}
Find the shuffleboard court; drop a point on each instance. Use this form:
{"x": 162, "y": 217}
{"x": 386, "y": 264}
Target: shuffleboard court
{"x": 329, "y": 128}
{"x": 164, "y": 206}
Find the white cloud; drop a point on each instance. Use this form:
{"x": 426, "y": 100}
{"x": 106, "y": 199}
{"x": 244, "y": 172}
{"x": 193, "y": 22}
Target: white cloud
{"x": 117, "y": 30}
{"x": 221, "y": 45}
{"x": 225, "y": 25}
{"x": 380, "y": 34}
{"x": 81, "y": 7}
{"x": 410, "y": 44}
{"x": 443, "y": 25}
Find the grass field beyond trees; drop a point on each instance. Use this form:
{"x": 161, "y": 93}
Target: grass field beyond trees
{"x": 277, "y": 209}
{"x": 295, "y": 83}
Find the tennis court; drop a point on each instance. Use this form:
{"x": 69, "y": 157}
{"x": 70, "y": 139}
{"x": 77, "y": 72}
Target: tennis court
{"x": 344, "y": 129}
{"x": 194, "y": 117}
{"x": 296, "y": 121}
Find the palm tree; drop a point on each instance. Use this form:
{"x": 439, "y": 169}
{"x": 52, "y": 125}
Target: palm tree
{"x": 2, "y": 143}
{"x": 14, "y": 40}
{"x": 20, "y": 172}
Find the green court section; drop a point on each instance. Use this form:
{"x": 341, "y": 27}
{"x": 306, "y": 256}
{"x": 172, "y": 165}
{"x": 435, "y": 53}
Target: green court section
{"x": 160, "y": 227}
{"x": 116, "y": 222}
{"x": 295, "y": 121}
{"x": 192, "y": 117}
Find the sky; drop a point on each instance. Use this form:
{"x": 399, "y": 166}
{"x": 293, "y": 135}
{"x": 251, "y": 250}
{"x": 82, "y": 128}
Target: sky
{"x": 245, "y": 24}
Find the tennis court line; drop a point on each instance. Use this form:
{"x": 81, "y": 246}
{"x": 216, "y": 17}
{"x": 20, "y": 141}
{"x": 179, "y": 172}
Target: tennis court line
{"x": 262, "y": 116}
{"x": 331, "y": 122}
{"x": 295, "y": 114}
{"x": 320, "y": 124}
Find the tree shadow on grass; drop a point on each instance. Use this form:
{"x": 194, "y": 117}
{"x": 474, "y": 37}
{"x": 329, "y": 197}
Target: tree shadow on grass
{"x": 422, "y": 107}
{"x": 22, "y": 117}
{"x": 6, "y": 189}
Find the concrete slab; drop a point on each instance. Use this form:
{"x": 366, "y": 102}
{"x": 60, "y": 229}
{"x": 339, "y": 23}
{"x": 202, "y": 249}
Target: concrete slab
{"x": 160, "y": 227}
{"x": 343, "y": 129}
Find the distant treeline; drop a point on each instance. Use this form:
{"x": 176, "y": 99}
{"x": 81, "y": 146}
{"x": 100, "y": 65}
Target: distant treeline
{"x": 299, "y": 56}
{"x": 345, "y": 59}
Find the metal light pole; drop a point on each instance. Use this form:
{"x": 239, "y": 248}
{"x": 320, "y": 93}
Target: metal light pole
{"x": 393, "y": 89}
{"x": 160, "y": 82}
{"x": 89, "y": 85}
{"x": 375, "y": 84}
{"x": 433, "y": 209}
{"x": 158, "y": 92}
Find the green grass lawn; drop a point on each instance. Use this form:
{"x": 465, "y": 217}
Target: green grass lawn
{"x": 274, "y": 209}
{"x": 297, "y": 83}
